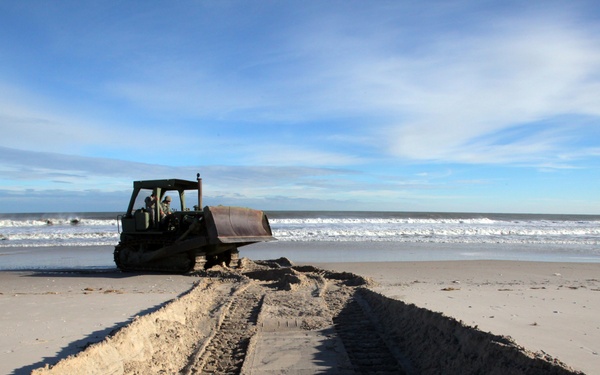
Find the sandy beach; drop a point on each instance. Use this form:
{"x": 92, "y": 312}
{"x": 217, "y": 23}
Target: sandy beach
{"x": 49, "y": 315}
{"x": 544, "y": 306}
{"x": 339, "y": 318}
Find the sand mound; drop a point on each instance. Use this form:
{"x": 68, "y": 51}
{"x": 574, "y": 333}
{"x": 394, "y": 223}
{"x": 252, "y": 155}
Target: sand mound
{"x": 272, "y": 317}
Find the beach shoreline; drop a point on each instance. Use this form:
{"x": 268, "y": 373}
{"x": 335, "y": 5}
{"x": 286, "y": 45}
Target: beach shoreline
{"x": 543, "y": 306}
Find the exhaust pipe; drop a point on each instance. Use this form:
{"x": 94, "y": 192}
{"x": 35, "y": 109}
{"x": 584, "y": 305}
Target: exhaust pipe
{"x": 199, "y": 192}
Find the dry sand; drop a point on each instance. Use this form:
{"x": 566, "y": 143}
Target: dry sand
{"x": 270, "y": 318}
{"x": 46, "y": 316}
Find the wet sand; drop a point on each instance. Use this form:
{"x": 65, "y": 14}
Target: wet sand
{"x": 337, "y": 318}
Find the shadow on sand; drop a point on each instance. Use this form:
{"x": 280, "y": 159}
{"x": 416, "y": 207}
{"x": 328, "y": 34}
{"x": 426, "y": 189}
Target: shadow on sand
{"x": 433, "y": 343}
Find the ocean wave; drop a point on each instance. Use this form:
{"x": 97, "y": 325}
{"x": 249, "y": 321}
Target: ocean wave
{"x": 82, "y": 230}
{"x": 45, "y": 222}
{"x": 337, "y": 221}
{"x": 33, "y": 236}
{"x": 51, "y": 244}
{"x": 443, "y": 236}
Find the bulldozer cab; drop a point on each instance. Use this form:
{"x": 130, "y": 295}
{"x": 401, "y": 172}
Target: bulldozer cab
{"x": 143, "y": 214}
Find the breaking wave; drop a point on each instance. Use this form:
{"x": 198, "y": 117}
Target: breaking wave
{"x": 102, "y": 229}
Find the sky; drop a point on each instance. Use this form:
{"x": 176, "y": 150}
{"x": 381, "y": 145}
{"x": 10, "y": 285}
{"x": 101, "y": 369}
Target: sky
{"x": 444, "y": 106}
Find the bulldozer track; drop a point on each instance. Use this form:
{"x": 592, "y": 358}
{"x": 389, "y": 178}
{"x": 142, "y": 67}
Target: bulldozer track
{"x": 226, "y": 351}
{"x": 366, "y": 348}
{"x": 178, "y": 264}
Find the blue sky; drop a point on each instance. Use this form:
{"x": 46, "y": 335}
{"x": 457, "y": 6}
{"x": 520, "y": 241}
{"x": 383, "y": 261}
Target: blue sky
{"x": 463, "y": 106}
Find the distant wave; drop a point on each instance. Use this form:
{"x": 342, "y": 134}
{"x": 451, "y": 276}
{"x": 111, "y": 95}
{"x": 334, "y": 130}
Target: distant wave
{"x": 55, "y": 221}
{"x": 437, "y": 230}
{"x": 375, "y": 220}
{"x": 38, "y": 230}
{"x": 57, "y": 230}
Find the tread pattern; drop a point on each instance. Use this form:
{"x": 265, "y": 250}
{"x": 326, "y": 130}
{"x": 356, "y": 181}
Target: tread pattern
{"x": 366, "y": 349}
{"x": 226, "y": 351}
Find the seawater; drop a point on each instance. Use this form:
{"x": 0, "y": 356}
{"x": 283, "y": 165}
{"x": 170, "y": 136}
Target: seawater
{"x": 436, "y": 227}
{"x": 334, "y": 236}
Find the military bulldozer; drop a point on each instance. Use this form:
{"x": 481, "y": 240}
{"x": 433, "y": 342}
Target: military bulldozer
{"x": 185, "y": 239}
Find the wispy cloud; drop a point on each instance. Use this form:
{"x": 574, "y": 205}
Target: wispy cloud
{"x": 445, "y": 99}
{"x": 518, "y": 75}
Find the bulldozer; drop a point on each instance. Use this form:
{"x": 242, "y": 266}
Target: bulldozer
{"x": 184, "y": 239}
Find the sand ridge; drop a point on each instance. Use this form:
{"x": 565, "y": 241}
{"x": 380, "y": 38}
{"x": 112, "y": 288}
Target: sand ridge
{"x": 274, "y": 317}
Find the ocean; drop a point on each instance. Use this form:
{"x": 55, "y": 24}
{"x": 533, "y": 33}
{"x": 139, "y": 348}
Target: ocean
{"x": 86, "y": 240}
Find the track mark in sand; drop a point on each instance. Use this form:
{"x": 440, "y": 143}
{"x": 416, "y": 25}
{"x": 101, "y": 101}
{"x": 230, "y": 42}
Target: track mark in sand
{"x": 213, "y": 329}
{"x": 366, "y": 349}
{"x": 226, "y": 351}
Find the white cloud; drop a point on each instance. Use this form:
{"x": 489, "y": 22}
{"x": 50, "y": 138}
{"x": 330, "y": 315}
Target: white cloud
{"x": 493, "y": 83}
{"x": 443, "y": 98}
{"x": 440, "y": 93}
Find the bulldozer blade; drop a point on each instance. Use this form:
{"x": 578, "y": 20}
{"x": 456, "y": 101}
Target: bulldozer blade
{"x": 238, "y": 225}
